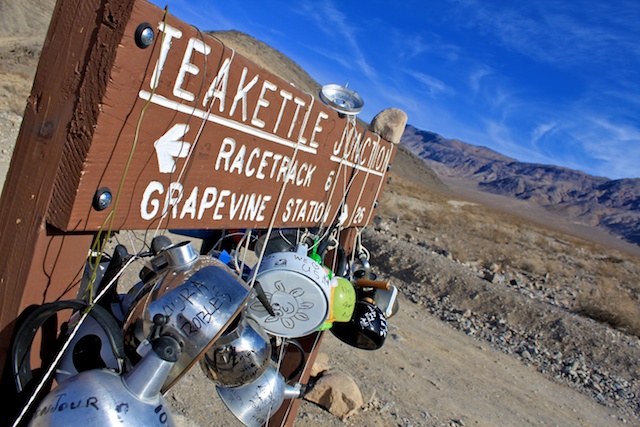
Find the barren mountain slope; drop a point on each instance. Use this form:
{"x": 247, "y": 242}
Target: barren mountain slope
{"x": 610, "y": 205}
{"x": 494, "y": 327}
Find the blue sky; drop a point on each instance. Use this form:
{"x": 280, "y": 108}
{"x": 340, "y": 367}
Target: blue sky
{"x": 550, "y": 81}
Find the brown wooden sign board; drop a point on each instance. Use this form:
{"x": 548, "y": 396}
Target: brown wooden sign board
{"x": 204, "y": 138}
{"x": 184, "y": 134}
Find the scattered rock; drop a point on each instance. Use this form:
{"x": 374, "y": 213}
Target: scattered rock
{"x": 320, "y": 365}
{"x": 337, "y": 392}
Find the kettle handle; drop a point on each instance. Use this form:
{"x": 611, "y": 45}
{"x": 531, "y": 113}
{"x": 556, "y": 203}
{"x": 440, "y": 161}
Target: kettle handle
{"x": 378, "y": 284}
{"x": 301, "y": 362}
{"x": 21, "y": 348}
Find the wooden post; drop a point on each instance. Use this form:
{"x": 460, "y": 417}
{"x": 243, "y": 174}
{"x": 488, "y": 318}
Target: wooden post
{"x": 37, "y": 262}
{"x": 180, "y": 131}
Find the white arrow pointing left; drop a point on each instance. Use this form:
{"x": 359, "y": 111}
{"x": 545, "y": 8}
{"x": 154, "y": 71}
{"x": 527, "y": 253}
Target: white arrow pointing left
{"x": 171, "y": 146}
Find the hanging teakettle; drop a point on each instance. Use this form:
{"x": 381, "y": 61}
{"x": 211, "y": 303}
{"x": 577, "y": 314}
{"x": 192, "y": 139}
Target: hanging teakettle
{"x": 102, "y": 398}
{"x": 193, "y": 300}
{"x": 297, "y": 289}
{"x": 254, "y": 403}
{"x": 239, "y": 356}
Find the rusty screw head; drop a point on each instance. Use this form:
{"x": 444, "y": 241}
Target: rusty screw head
{"x": 144, "y": 35}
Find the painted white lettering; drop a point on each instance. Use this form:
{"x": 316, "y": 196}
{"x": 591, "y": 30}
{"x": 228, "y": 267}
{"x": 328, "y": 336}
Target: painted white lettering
{"x": 263, "y": 163}
{"x": 218, "y": 88}
{"x": 220, "y": 204}
{"x": 263, "y": 206}
{"x": 317, "y": 129}
{"x": 337, "y": 146}
{"x": 329, "y": 181}
{"x": 276, "y": 161}
{"x": 302, "y": 139}
{"x": 190, "y": 204}
{"x": 238, "y": 161}
{"x": 299, "y": 103}
{"x": 248, "y": 170}
{"x": 253, "y": 206}
{"x": 262, "y": 102}
{"x": 286, "y": 96}
{"x": 374, "y": 153}
{"x": 241, "y": 206}
{"x": 174, "y": 195}
{"x": 286, "y": 215}
{"x": 209, "y": 196}
{"x": 307, "y": 178}
{"x": 301, "y": 210}
{"x": 169, "y": 33}
{"x": 145, "y": 213}
{"x": 382, "y": 157}
{"x": 234, "y": 206}
{"x": 282, "y": 172}
{"x": 241, "y": 94}
{"x": 367, "y": 143}
{"x": 188, "y": 67}
{"x": 303, "y": 167}
{"x": 227, "y": 148}
{"x": 257, "y": 162}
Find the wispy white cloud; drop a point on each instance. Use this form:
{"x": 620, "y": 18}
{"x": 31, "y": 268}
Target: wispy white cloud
{"x": 434, "y": 87}
{"x": 336, "y": 24}
{"x": 559, "y": 32}
{"x": 337, "y": 57}
{"x": 409, "y": 45}
{"x": 476, "y": 75}
{"x": 542, "y": 130}
{"x": 614, "y": 146}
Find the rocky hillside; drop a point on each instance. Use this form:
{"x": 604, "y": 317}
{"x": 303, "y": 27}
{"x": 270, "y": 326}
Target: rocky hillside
{"x": 502, "y": 322}
{"x": 590, "y": 200}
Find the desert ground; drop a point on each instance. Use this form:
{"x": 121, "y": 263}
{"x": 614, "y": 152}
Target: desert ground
{"x": 481, "y": 339}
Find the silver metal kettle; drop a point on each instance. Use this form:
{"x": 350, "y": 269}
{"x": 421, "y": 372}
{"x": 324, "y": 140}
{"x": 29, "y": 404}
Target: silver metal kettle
{"x": 193, "y": 299}
{"x": 239, "y": 356}
{"x": 102, "y": 398}
{"x": 254, "y": 403}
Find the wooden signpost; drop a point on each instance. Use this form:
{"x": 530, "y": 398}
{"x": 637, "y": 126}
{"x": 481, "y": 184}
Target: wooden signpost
{"x": 140, "y": 121}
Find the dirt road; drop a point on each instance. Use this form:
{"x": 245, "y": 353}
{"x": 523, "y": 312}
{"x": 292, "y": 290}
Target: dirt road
{"x": 427, "y": 374}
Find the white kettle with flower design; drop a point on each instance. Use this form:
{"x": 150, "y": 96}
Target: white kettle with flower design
{"x": 297, "y": 290}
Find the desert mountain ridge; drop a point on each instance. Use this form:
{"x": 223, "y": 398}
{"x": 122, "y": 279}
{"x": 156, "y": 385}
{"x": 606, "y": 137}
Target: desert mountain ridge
{"x": 501, "y": 321}
{"x": 608, "y": 205}
{"x": 612, "y": 205}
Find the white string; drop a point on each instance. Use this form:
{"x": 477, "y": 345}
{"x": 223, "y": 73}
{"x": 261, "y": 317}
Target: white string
{"x": 200, "y": 130}
{"x": 280, "y": 196}
{"x": 381, "y": 183}
{"x": 366, "y": 178}
{"x": 47, "y": 376}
